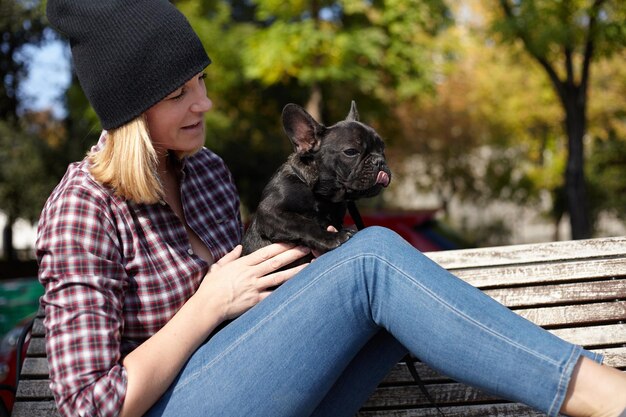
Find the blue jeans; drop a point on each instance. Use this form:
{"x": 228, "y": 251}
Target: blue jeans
{"x": 320, "y": 344}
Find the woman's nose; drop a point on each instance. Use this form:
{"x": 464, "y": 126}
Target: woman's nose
{"x": 202, "y": 104}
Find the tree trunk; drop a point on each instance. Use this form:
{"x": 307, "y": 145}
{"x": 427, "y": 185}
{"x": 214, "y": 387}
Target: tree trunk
{"x": 7, "y": 241}
{"x": 575, "y": 187}
{"x": 314, "y": 105}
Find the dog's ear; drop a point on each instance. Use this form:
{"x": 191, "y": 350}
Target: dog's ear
{"x": 303, "y": 131}
{"x": 353, "y": 116}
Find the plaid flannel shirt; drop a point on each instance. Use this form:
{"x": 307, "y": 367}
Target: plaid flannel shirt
{"x": 115, "y": 272}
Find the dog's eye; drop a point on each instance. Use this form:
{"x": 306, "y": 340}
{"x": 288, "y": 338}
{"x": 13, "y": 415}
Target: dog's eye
{"x": 351, "y": 152}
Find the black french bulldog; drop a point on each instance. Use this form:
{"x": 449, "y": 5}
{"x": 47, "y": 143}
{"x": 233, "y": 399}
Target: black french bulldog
{"x": 308, "y": 193}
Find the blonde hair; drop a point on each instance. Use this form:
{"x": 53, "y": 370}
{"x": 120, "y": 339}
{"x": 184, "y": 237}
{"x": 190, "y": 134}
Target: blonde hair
{"x": 128, "y": 163}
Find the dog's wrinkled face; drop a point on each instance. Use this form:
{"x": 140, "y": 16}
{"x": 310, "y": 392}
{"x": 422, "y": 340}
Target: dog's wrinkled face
{"x": 345, "y": 161}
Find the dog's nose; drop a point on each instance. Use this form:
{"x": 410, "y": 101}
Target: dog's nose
{"x": 379, "y": 161}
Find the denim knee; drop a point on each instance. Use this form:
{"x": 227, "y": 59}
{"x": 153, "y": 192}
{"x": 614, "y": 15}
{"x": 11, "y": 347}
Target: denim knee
{"x": 377, "y": 239}
{"x": 381, "y": 242}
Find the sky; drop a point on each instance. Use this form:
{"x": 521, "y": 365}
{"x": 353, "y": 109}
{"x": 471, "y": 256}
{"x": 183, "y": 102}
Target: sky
{"x": 49, "y": 75}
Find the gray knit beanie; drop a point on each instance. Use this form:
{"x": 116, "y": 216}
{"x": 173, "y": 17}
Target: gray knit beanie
{"x": 128, "y": 54}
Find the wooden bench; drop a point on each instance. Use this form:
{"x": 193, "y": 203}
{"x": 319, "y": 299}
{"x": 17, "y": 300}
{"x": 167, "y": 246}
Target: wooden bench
{"x": 575, "y": 289}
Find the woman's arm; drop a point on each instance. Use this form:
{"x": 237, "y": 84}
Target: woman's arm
{"x": 233, "y": 285}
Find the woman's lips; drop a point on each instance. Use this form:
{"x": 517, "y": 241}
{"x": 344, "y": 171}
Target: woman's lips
{"x": 193, "y": 126}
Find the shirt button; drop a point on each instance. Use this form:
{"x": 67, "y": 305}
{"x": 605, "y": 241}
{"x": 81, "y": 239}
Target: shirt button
{"x": 190, "y": 251}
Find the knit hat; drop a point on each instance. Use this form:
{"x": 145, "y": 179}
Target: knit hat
{"x": 128, "y": 54}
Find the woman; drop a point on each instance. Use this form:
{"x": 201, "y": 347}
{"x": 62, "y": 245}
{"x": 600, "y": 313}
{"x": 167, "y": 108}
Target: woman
{"x": 150, "y": 309}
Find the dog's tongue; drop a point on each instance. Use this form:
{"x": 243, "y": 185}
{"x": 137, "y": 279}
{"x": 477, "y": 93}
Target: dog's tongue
{"x": 382, "y": 178}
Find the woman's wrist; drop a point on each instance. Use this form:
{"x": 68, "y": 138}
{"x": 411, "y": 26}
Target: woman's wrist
{"x": 210, "y": 311}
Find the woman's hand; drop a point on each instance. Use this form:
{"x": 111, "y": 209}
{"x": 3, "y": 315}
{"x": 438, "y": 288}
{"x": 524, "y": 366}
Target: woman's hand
{"x": 238, "y": 283}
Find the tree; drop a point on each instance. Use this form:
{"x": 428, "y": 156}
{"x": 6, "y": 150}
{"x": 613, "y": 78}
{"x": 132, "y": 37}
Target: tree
{"x": 21, "y": 24}
{"x": 375, "y": 47}
{"x": 607, "y": 159}
{"x": 564, "y": 38}
{"x": 24, "y": 186}
{"x": 269, "y": 53}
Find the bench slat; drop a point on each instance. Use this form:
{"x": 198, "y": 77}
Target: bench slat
{"x": 35, "y": 408}
{"x": 38, "y": 328}
{"x": 34, "y": 368}
{"x": 613, "y": 334}
{"x": 614, "y": 357}
{"x": 531, "y": 253}
{"x": 528, "y": 274}
{"x": 576, "y": 314}
{"x": 37, "y": 347}
{"x": 561, "y": 293}
{"x": 443, "y": 394}
{"x": 500, "y": 410}
{"x": 399, "y": 374}
{"x": 34, "y": 389}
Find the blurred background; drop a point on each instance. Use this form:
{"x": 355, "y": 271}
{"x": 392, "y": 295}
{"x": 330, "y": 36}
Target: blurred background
{"x": 505, "y": 120}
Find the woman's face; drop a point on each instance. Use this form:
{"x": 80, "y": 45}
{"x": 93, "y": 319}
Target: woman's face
{"x": 176, "y": 123}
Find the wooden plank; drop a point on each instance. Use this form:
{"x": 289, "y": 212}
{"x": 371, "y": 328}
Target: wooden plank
{"x": 576, "y": 314}
{"x": 561, "y": 293}
{"x": 412, "y": 396}
{"x": 492, "y": 410}
{"x": 503, "y": 276}
{"x": 34, "y": 368}
{"x": 613, "y": 334}
{"x": 35, "y": 408}
{"x": 399, "y": 374}
{"x": 615, "y": 357}
{"x": 34, "y": 390}
{"x": 38, "y": 328}
{"x": 37, "y": 347}
{"x": 531, "y": 253}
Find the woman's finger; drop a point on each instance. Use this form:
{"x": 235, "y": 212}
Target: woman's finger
{"x": 266, "y": 253}
{"x": 230, "y": 256}
{"x": 278, "y": 278}
{"x": 275, "y": 256}
{"x": 282, "y": 259}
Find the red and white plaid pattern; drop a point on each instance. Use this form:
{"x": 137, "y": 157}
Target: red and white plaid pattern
{"x": 115, "y": 272}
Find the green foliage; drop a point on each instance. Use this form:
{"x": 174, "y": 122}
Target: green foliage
{"x": 608, "y": 172}
{"x": 23, "y": 189}
{"x": 380, "y": 47}
{"x": 21, "y": 24}
{"x": 269, "y": 53}
{"x": 549, "y": 27}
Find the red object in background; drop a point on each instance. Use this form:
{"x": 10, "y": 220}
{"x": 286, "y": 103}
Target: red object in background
{"x": 406, "y": 224}
{"x": 19, "y": 336}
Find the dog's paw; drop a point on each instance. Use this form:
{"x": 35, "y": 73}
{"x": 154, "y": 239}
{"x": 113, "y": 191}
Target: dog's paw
{"x": 331, "y": 240}
{"x": 343, "y": 235}
{"x": 349, "y": 232}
